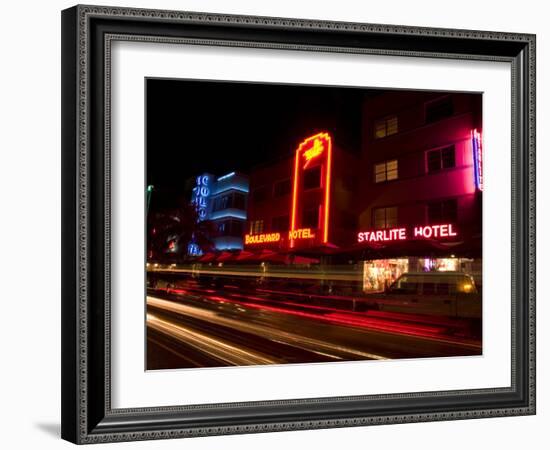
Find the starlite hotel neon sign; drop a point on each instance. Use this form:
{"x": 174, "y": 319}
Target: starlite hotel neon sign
{"x": 402, "y": 234}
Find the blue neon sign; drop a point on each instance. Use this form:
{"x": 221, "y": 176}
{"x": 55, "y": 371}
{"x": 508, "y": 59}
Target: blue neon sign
{"x": 201, "y": 195}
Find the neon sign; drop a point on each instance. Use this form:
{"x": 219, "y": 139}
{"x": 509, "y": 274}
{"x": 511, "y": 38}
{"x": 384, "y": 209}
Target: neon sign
{"x": 261, "y": 238}
{"x": 193, "y": 249}
{"x": 201, "y": 193}
{"x": 312, "y": 148}
{"x": 435, "y": 231}
{"x": 265, "y": 238}
{"x": 224, "y": 177}
{"x": 478, "y": 159}
{"x": 199, "y": 198}
{"x": 313, "y": 152}
{"x": 401, "y": 234}
{"x": 302, "y": 233}
{"x": 393, "y": 234}
{"x": 172, "y": 244}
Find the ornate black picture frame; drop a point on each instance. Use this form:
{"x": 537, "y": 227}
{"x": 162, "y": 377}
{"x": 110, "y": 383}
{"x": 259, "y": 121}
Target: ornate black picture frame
{"x": 87, "y": 34}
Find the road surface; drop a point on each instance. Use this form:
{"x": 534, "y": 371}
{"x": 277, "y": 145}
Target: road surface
{"x": 204, "y": 327}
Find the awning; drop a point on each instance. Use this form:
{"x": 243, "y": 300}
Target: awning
{"x": 303, "y": 260}
{"x": 226, "y": 256}
{"x": 244, "y": 255}
{"x": 207, "y": 257}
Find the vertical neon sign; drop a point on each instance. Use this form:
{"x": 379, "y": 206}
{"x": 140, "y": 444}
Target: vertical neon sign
{"x": 201, "y": 193}
{"x": 200, "y": 198}
{"x": 478, "y": 159}
{"x": 313, "y": 149}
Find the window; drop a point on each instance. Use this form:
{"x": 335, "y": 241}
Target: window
{"x": 385, "y": 217}
{"x": 281, "y": 188}
{"x": 310, "y": 217}
{"x": 442, "y": 212}
{"x": 221, "y": 203}
{"x": 239, "y": 201}
{"x": 230, "y": 228}
{"x": 256, "y": 226}
{"x": 385, "y": 127}
{"x": 237, "y": 228}
{"x": 439, "y": 109}
{"x": 407, "y": 284}
{"x": 281, "y": 223}
{"x": 385, "y": 171}
{"x": 442, "y": 158}
{"x": 235, "y": 200}
{"x": 312, "y": 178}
{"x": 260, "y": 194}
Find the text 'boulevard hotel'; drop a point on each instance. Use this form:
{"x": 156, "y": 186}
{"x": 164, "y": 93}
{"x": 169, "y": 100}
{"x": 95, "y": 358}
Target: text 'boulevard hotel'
{"x": 407, "y": 200}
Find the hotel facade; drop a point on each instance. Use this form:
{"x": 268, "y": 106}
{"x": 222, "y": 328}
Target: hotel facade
{"x": 407, "y": 199}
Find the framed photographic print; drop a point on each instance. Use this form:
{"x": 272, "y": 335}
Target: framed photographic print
{"x": 280, "y": 224}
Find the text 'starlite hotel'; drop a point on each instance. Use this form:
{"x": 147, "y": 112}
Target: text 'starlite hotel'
{"x": 409, "y": 199}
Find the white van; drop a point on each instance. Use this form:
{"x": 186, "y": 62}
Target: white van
{"x": 451, "y": 294}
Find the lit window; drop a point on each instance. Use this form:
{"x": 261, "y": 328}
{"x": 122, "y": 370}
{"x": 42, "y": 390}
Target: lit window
{"x": 380, "y": 129}
{"x": 385, "y": 217}
{"x": 442, "y": 158}
{"x": 385, "y": 127}
{"x": 391, "y": 170}
{"x": 385, "y": 171}
{"x": 256, "y": 226}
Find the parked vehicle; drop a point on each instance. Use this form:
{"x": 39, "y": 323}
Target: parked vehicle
{"x": 451, "y": 294}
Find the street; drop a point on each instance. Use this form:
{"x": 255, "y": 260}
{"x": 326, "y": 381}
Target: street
{"x": 202, "y": 327}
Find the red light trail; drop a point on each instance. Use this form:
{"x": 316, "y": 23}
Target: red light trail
{"x": 379, "y": 322}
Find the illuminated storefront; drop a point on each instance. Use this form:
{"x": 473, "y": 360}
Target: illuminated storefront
{"x": 379, "y": 274}
{"x": 419, "y": 240}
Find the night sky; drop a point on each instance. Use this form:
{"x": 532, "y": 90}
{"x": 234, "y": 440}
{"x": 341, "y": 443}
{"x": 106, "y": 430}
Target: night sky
{"x": 220, "y": 127}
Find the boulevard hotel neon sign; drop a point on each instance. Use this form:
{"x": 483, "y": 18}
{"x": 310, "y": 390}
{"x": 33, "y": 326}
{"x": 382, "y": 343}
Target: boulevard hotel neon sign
{"x": 264, "y": 238}
{"x": 402, "y": 234}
